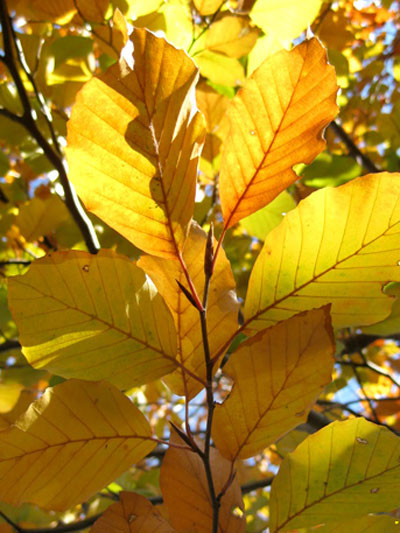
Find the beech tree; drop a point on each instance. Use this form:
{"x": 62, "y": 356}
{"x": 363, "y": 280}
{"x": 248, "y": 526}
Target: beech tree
{"x": 200, "y": 215}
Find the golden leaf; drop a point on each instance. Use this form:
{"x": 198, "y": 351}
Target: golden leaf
{"x": 345, "y": 470}
{"x": 232, "y": 36}
{"x": 338, "y": 246}
{"x": 132, "y": 513}
{"x": 222, "y": 308}
{"x": 73, "y": 441}
{"x": 276, "y": 121}
{"x": 186, "y": 494}
{"x": 278, "y": 374}
{"x": 133, "y": 145}
{"x": 39, "y": 217}
{"x": 93, "y": 317}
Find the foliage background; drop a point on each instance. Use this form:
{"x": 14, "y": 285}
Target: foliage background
{"x": 60, "y": 46}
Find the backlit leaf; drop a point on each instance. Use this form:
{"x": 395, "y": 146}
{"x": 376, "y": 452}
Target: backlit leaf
{"x": 276, "y": 121}
{"x": 391, "y": 324}
{"x": 232, "y": 36}
{"x": 338, "y": 246}
{"x": 285, "y": 19}
{"x": 345, "y": 470}
{"x": 277, "y": 375}
{"x": 62, "y": 11}
{"x": 207, "y": 7}
{"x": 222, "y": 308}
{"x": 220, "y": 69}
{"x": 39, "y": 217}
{"x": 260, "y": 223}
{"x": 93, "y": 317}
{"x": 133, "y": 146}
{"x": 186, "y": 494}
{"x": 133, "y": 512}
{"x": 363, "y": 524}
{"x": 73, "y": 441}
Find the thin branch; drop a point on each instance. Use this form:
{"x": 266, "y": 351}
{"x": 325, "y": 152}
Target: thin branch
{"x": 8, "y": 262}
{"x": 28, "y": 121}
{"x": 353, "y": 149}
{"x": 10, "y": 344}
{"x": 373, "y": 368}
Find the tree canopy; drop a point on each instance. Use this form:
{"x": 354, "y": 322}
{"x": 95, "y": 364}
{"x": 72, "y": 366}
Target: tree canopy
{"x": 200, "y": 282}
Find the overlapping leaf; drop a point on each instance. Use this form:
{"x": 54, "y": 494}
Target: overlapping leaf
{"x": 70, "y": 443}
{"x": 133, "y": 512}
{"x": 222, "y": 308}
{"x": 93, "y": 317}
{"x": 275, "y": 122}
{"x": 40, "y": 217}
{"x": 277, "y": 374}
{"x": 133, "y": 145}
{"x": 186, "y": 493}
{"x": 338, "y": 246}
{"x": 345, "y": 470}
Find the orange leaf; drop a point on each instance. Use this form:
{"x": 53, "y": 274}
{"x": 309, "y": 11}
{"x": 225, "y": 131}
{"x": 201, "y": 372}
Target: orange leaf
{"x": 222, "y": 307}
{"x": 133, "y": 145}
{"x": 278, "y": 374}
{"x": 132, "y": 513}
{"x": 185, "y": 491}
{"x": 276, "y": 121}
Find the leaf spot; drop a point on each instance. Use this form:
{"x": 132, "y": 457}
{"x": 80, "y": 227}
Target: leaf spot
{"x": 375, "y": 490}
{"x": 361, "y": 441}
{"x": 300, "y": 413}
{"x": 85, "y": 268}
{"x": 131, "y": 518}
{"x": 252, "y": 132}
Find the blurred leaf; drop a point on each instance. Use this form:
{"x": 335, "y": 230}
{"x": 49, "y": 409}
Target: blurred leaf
{"x": 330, "y": 170}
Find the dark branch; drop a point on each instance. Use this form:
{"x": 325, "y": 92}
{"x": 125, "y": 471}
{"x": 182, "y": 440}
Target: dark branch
{"x": 28, "y": 121}
{"x": 354, "y": 151}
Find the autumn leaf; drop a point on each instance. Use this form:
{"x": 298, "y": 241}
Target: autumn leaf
{"x": 186, "y": 493}
{"x": 133, "y": 145}
{"x": 232, "y": 36}
{"x": 345, "y": 470}
{"x": 276, "y": 121}
{"x": 207, "y": 7}
{"x": 39, "y": 217}
{"x": 133, "y": 512}
{"x": 338, "y": 246}
{"x": 70, "y": 443}
{"x": 222, "y": 308}
{"x": 93, "y": 317}
{"x": 277, "y": 375}
{"x": 284, "y": 19}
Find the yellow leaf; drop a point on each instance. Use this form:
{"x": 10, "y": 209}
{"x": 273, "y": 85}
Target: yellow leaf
{"x": 178, "y": 23}
{"x": 62, "y": 11}
{"x": 220, "y": 69}
{"x": 212, "y": 104}
{"x": 139, "y": 8}
{"x": 278, "y": 374}
{"x": 285, "y": 19}
{"x": 222, "y": 308}
{"x": 207, "y": 7}
{"x": 231, "y": 36}
{"x": 276, "y": 121}
{"x": 186, "y": 494}
{"x": 364, "y": 524}
{"x": 93, "y": 317}
{"x": 338, "y": 246}
{"x": 133, "y": 146}
{"x": 132, "y": 513}
{"x": 39, "y": 217}
{"x": 112, "y": 41}
{"x": 73, "y": 441}
{"x": 345, "y": 470}
{"x": 9, "y": 395}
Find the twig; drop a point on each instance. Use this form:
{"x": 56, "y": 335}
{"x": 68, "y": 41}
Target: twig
{"x": 11, "y": 344}
{"x": 27, "y": 120}
{"x": 354, "y": 151}
{"x": 8, "y": 262}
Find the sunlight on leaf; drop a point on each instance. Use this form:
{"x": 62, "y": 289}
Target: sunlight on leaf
{"x": 186, "y": 494}
{"x": 93, "y": 317}
{"x": 133, "y": 512}
{"x": 133, "y": 145}
{"x": 277, "y": 375}
{"x": 73, "y": 441}
{"x": 338, "y": 246}
{"x": 345, "y": 470}
{"x": 222, "y": 308}
{"x": 285, "y": 19}
{"x": 276, "y": 121}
